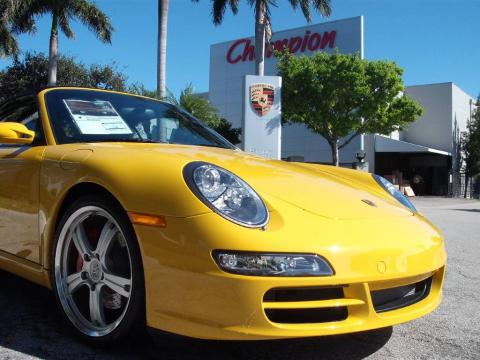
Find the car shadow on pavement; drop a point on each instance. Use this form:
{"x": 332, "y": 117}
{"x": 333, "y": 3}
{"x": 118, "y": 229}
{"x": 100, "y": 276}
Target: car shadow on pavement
{"x": 468, "y": 210}
{"x": 353, "y": 346}
{"x": 30, "y": 326}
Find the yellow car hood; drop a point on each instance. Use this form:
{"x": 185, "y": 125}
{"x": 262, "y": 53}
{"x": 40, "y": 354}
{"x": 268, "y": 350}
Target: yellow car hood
{"x": 322, "y": 190}
{"x": 149, "y": 177}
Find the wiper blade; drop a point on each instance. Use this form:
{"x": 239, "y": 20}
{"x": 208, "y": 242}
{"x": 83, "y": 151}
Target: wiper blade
{"x": 212, "y": 145}
{"x": 128, "y": 140}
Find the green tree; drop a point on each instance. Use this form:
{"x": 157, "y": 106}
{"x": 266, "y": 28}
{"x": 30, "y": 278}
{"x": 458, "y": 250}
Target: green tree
{"x": 62, "y": 12}
{"x": 470, "y": 143}
{"x": 224, "y": 128}
{"x": 8, "y": 42}
{"x": 198, "y": 106}
{"x": 140, "y": 89}
{"x": 203, "y": 110}
{"x": 342, "y": 96}
{"x": 29, "y": 73}
{"x": 262, "y": 19}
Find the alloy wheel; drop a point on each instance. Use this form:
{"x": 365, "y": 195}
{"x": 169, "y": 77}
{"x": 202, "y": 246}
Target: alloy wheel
{"x": 93, "y": 271}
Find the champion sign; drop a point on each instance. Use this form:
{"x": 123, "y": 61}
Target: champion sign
{"x": 244, "y": 50}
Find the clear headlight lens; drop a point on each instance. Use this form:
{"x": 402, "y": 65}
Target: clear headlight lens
{"x": 392, "y": 190}
{"x": 258, "y": 264}
{"x": 226, "y": 194}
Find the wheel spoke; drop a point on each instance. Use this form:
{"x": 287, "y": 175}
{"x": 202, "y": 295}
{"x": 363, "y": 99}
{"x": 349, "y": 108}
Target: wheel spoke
{"x": 74, "y": 281}
{"x": 108, "y": 232}
{"x": 80, "y": 240}
{"x": 118, "y": 284}
{"x": 97, "y": 315}
{"x": 86, "y": 250}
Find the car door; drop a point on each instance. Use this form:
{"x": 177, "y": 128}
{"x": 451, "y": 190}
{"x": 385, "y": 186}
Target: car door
{"x": 19, "y": 183}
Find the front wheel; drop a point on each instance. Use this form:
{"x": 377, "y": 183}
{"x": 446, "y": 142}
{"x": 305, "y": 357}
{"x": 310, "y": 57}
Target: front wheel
{"x": 98, "y": 277}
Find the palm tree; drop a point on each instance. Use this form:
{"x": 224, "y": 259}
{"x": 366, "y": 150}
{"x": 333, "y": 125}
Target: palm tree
{"x": 204, "y": 111}
{"x": 8, "y": 42}
{"x": 162, "y": 47}
{"x": 262, "y": 19}
{"x": 62, "y": 12}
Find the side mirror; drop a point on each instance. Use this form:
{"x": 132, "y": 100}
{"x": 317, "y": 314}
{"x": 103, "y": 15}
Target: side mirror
{"x": 15, "y": 133}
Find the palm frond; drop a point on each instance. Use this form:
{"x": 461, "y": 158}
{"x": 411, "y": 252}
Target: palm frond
{"x": 321, "y": 6}
{"x": 305, "y": 6}
{"x": 234, "y": 6}
{"x": 8, "y": 43}
{"x": 218, "y": 11}
{"x": 65, "y": 26}
{"x": 93, "y": 18}
{"x": 219, "y": 7}
{"x": 9, "y": 9}
{"x": 23, "y": 19}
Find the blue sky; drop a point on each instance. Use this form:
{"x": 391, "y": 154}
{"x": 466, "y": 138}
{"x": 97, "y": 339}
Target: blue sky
{"x": 433, "y": 40}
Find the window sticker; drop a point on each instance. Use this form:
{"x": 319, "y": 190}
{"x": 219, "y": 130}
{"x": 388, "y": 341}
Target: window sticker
{"x": 96, "y": 117}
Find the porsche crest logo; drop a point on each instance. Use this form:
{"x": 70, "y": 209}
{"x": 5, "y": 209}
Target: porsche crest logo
{"x": 261, "y": 98}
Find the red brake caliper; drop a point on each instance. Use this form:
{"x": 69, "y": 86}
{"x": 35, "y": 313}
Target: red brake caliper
{"x": 79, "y": 263}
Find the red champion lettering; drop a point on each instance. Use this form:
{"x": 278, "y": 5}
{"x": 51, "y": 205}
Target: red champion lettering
{"x": 243, "y": 49}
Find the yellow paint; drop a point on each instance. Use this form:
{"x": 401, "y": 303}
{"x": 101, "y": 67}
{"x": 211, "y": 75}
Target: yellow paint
{"x": 19, "y": 194}
{"x": 313, "y": 209}
{"x": 15, "y": 133}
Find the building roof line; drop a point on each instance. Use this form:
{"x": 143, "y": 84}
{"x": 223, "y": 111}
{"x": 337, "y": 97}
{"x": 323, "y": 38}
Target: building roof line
{"x": 439, "y": 84}
{"x": 292, "y": 29}
{"x": 430, "y": 84}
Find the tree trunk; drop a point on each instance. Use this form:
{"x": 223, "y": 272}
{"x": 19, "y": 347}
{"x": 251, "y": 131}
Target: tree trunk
{"x": 162, "y": 48}
{"x": 53, "y": 53}
{"x": 259, "y": 37}
{"x": 466, "y": 185}
{"x": 335, "y": 155}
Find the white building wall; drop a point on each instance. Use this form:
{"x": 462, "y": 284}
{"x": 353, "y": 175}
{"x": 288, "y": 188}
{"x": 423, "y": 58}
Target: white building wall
{"x": 446, "y": 112}
{"x": 299, "y": 141}
{"x": 446, "y": 106}
{"x": 226, "y": 84}
{"x": 434, "y": 128}
{"x": 462, "y": 104}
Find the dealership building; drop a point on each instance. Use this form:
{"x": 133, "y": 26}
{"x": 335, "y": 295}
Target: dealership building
{"x": 424, "y": 156}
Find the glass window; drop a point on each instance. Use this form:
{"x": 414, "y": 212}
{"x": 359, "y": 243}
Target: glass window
{"x": 93, "y": 116}
{"x": 24, "y": 109}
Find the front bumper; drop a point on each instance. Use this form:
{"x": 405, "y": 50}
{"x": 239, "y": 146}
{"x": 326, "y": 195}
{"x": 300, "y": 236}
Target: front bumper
{"x": 238, "y": 311}
{"x": 187, "y": 294}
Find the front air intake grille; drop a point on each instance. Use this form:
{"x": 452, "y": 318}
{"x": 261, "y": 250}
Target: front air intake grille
{"x": 399, "y": 297}
{"x": 307, "y": 305}
{"x": 306, "y": 316}
{"x": 304, "y": 294}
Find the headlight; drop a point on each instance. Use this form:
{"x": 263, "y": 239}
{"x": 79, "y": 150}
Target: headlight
{"x": 226, "y": 194}
{"x": 392, "y": 190}
{"x": 271, "y": 264}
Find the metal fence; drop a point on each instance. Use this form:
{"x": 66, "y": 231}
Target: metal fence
{"x": 458, "y": 184}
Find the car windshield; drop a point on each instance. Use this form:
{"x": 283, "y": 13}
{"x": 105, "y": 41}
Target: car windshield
{"x": 96, "y": 116}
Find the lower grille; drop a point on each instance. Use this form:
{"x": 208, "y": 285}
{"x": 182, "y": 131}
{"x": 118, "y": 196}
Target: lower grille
{"x": 307, "y": 305}
{"x": 399, "y": 297}
{"x": 304, "y": 294}
{"x": 305, "y": 316}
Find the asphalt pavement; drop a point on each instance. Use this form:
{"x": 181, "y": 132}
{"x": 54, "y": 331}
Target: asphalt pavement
{"x": 30, "y": 327}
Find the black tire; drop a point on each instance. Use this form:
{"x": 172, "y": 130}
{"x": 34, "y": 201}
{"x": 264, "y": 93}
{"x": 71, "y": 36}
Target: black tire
{"x": 134, "y": 319}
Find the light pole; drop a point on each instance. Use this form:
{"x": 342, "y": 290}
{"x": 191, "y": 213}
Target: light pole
{"x": 471, "y": 103}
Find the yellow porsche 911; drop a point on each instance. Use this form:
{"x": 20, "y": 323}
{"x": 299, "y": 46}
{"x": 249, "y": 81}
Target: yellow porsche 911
{"x": 135, "y": 214}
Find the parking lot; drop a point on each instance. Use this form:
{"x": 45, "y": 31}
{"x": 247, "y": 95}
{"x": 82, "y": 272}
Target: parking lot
{"x": 31, "y": 328}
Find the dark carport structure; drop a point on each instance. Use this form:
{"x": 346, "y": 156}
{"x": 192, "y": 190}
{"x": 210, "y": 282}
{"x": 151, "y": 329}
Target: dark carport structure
{"x": 426, "y": 170}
